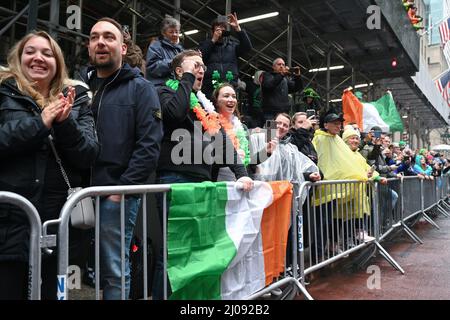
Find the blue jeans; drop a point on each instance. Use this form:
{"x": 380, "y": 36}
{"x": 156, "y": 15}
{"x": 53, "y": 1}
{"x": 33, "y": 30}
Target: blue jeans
{"x": 158, "y": 279}
{"x": 110, "y": 262}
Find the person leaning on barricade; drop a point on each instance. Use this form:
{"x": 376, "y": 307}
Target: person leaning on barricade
{"x": 423, "y": 168}
{"x": 128, "y": 120}
{"x": 286, "y": 162}
{"x": 352, "y": 138}
{"x": 38, "y": 100}
{"x": 191, "y": 125}
{"x": 337, "y": 162}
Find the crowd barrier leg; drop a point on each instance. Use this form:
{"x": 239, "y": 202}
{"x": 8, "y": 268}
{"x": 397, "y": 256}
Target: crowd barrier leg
{"x": 444, "y": 205}
{"x": 380, "y": 248}
{"x": 442, "y": 211}
{"x": 411, "y": 233}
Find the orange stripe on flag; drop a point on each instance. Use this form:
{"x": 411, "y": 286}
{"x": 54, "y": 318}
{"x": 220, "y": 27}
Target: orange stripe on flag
{"x": 352, "y": 108}
{"x": 275, "y": 227}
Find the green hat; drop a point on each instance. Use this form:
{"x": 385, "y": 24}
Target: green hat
{"x": 309, "y": 92}
{"x": 402, "y": 143}
{"x": 359, "y": 95}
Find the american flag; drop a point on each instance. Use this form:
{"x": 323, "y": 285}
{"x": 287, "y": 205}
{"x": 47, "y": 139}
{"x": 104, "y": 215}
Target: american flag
{"x": 446, "y": 51}
{"x": 444, "y": 31}
{"x": 443, "y": 84}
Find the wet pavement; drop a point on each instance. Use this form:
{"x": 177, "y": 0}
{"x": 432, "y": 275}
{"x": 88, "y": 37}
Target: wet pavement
{"x": 426, "y": 266}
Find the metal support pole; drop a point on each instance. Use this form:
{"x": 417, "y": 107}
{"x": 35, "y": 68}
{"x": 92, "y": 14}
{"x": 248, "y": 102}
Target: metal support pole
{"x": 328, "y": 78}
{"x": 134, "y": 23}
{"x": 12, "y": 34}
{"x": 176, "y": 11}
{"x": 54, "y": 18}
{"x": 289, "y": 41}
{"x": 32, "y": 15}
{"x": 228, "y": 11}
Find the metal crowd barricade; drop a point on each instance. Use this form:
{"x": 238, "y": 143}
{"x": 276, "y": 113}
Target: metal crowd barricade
{"x": 143, "y": 190}
{"x": 338, "y": 218}
{"x": 441, "y": 193}
{"x": 63, "y": 232}
{"x": 390, "y": 208}
{"x": 34, "y": 262}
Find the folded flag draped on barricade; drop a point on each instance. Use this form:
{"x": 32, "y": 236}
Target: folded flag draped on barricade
{"x": 382, "y": 113}
{"x": 224, "y": 243}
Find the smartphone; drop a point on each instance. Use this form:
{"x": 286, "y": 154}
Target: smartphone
{"x": 271, "y": 129}
{"x": 222, "y": 19}
{"x": 310, "y": 113}
{"x": 377, "y": 134}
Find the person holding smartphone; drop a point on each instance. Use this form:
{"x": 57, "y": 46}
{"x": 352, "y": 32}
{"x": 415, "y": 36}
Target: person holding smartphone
{"x": 220, "y": 53}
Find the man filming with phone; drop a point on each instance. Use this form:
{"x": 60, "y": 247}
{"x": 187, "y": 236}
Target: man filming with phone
{"x": 373, "y": 152}
{"x": 277, "y": 85}
{"x": 220, "y": 53}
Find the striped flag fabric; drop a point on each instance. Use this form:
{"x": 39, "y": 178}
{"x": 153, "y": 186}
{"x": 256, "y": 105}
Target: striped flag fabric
{"x": 443, "y": 84}
{"x": 447, "y": 52}
{"x": 444, "y": 31}
{"x": 381, "y": 113}
{"x": 224, "y": 243}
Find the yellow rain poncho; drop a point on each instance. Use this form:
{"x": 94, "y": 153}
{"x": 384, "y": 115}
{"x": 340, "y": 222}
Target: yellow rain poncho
{"x": 338, "y": 162}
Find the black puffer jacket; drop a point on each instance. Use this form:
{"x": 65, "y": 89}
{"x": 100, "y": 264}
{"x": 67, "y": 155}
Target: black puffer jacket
{"x": 25, "y": 156}
{"x": 223, "y": 56}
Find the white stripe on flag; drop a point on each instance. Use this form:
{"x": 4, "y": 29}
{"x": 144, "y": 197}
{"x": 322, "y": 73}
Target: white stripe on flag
{"x": 447, "y": 52}
{"x": 245, "y": 273}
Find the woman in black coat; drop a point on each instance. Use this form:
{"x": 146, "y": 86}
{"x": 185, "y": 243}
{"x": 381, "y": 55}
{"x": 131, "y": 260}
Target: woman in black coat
{"x": 38, "y": 100}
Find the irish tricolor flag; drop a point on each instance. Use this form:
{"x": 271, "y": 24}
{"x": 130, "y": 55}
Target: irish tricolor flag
{"x": 224, "y": 243}
{"x": 382, "y": 113}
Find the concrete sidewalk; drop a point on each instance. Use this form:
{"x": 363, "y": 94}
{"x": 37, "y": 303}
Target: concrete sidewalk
{"x": 427, "y": 270}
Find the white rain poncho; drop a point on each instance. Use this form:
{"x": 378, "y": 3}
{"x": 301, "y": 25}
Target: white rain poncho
{"x": 285, "y": 163}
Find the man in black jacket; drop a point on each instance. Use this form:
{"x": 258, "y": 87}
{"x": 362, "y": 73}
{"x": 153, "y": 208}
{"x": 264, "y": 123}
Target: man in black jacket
{"x": 276, "y": 86}
{"x": 221, "y": 53}
{"x": 184, "y": 150}
{"x": 128, "y": 120}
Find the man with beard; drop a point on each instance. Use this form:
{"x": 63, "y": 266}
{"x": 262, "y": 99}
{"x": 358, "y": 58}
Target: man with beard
{"x": 128, "y": 120}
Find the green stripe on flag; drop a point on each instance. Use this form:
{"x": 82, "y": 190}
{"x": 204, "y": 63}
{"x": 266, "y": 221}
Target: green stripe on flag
{"x": 388, "y": 112}
{"x": 199, "y": 248}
